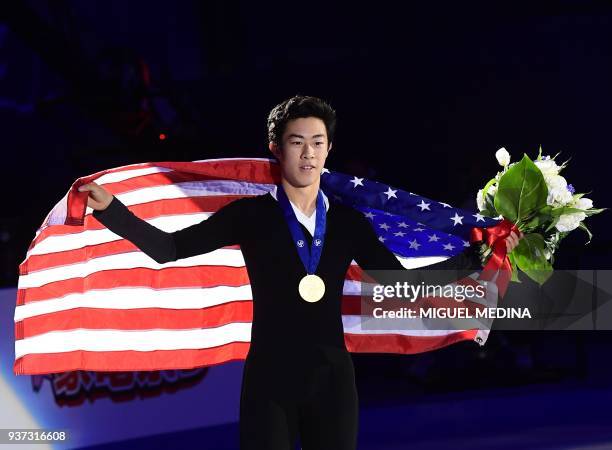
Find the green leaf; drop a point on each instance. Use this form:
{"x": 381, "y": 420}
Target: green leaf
{"x": 530, "y": 258}
{"x": 552, "y": 224}
{"x": 521, "y": 190}
{"x": 514, "y": 276}
{"x": 584, "y": 227}
{"x": 489, "y": 203}
{"x": 489, "y": 213}
{"x": 537, "y": 218}
{"x": 564, "y": 164}
{"x": 590, "y": 212}
{"x": 578, "y": 195}
{"x": 490, "y": 183}
{"x": 556, "y": 212}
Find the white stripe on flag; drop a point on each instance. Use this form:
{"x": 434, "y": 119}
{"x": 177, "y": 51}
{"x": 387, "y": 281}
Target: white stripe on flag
{"x": 129, "y": 260}
{"x": 138, "y": 297}
{"x": 190, "y": 189}
{"x": 144, "y": 341}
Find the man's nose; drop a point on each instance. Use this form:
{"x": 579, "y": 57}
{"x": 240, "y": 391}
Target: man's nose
{"x": 308, "y": 151}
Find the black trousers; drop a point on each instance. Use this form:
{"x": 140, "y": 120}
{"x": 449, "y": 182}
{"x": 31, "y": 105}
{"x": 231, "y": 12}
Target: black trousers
{"x": 311, "y": 395}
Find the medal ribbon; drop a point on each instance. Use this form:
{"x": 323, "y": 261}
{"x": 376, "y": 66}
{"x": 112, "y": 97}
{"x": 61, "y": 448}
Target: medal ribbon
{"x": 495, "y": 237}
{"x": 311, "y": 258}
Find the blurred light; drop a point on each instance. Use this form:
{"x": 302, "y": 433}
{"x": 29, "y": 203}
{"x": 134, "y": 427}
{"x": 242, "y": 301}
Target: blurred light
{"x": 162, "y": 136}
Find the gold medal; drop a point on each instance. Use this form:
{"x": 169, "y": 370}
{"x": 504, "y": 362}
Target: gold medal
{"x": 311, "y": 288}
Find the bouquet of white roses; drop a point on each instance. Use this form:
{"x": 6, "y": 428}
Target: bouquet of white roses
{"x": 532, "y": 197}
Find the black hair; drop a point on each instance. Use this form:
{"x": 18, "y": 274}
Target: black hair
{"x": 297, "y": 107}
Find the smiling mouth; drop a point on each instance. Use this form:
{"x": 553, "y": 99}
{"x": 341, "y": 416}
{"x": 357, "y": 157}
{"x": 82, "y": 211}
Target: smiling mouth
{"x": 307, "y": 167}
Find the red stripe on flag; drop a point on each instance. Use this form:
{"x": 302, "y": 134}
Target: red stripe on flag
{"x": 171, "y": 277}
{"x": 397, "y": 343}
{"x": 136, "y": 319}
{"x": 43, "y": 363}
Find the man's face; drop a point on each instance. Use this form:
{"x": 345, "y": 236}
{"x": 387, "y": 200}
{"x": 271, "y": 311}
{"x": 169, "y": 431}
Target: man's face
{"x": 304, "y": 151}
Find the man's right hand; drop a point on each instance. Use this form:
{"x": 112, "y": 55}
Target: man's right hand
{"x": 99, "y": 198}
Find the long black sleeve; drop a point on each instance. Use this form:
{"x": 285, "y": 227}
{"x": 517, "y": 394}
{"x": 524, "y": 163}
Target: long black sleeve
{"x": 371, "y": 254}
{"x": 221, "y": 229}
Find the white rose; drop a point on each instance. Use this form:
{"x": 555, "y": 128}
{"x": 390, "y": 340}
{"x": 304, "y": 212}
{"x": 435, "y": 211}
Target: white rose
{"x": 548, "y": 167}
{"x": 558, "y": 194}
{"x": 583, "y": 203}
{"x": 565, "y": 197}
{"x": 569, "y": 222}
{"x": 503, "y": 157}
{"x": 480, "y": 201}
{"x": 555, "y": 181}
{"x": 559, "y": 197}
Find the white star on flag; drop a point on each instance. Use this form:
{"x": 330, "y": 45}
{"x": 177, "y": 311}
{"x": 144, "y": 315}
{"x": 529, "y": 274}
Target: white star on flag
{"x": 390, "y": 193}
{"x": 369, "y": 215}
{"x": 400, "y": 233}
{"x": 424, "y": 206}
{"x": 419, "y": 229}
{"x": 356, "y": 182}
{"x": 402, "y": 225}
{"x": 446, "y": 205}
{"x": 479, "y": 217}
{"x": 449, "y": 246}
{"x": 385, "y": 226}
{"x": 382, "y": 239}
{"x": 433, "y": 238}
{"x": 466, "y": 244}
{"x": 457, "y": 219}
{"x": 414, "y": 244}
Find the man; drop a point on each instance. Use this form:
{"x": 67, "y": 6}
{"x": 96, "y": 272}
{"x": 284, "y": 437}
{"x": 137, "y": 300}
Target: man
{"x": 297, "y": 245}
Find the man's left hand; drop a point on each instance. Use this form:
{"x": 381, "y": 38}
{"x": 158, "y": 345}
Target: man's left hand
{"x": 513, "y": 240}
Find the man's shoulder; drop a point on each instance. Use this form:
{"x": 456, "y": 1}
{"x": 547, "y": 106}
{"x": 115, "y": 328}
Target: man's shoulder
{"x": 252, "y": 202}
{"x": 344, "y": 211}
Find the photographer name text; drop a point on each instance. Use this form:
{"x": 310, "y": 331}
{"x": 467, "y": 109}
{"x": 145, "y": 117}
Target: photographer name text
{"x": 453, "y": 313}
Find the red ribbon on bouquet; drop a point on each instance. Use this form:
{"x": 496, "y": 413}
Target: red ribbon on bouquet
{"x": 495, "y": 238}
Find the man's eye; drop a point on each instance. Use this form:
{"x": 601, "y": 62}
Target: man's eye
{"x": 296, "y": 142}
{"x": 320, "y": 143}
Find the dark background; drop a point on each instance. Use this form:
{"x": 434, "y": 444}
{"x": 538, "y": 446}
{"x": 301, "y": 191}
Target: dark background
{"x": 425, "y": 94}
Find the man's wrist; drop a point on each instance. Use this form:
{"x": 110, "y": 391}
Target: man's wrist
{"x": 109, "y": 208}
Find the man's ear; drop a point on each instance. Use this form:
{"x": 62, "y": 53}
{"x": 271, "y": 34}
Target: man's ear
{"x": 275, "y": 149}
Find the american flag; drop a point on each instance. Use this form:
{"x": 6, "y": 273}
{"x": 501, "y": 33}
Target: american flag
{"x": 88, "y": 299}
